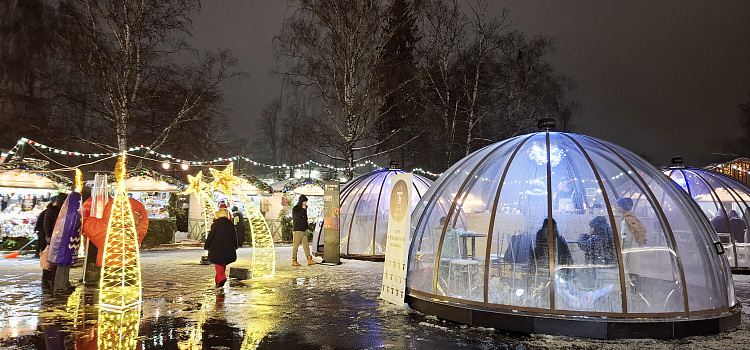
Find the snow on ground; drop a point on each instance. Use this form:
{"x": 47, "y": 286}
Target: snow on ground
{"x": 312, "y": 307}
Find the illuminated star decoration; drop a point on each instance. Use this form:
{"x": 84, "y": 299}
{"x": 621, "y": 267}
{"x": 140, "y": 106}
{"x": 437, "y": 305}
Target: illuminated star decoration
{"x": 224, "y": 180}
{"x": 196, "y": 186}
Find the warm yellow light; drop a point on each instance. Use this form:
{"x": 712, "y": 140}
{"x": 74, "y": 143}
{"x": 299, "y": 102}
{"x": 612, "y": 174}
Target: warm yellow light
{"x": 184, "y": 166}
{"x": 224, "y": 180}
{"x": 118, "y": 329}
{"x": 79, "y": 180}
{"x": 120, "y": 284}
{"x": 264, "y": 253}
{"x": 165, "y": 165}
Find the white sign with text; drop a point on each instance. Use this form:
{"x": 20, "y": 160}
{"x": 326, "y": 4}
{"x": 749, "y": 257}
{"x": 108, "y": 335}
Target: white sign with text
{"x": 397, "y": 243}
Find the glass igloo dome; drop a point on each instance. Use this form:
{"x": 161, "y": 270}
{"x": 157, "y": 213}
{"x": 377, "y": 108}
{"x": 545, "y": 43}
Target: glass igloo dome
{"x": 560, "y": 233}
{"x": 726, "y": 203}
{"x": 364, "y": 213}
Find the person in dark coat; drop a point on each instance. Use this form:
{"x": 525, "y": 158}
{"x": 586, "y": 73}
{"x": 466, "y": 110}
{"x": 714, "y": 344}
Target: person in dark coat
{"x": 737, "y": 227}
{"x": 541, "y": 248}
{"x": 221, "y": 245}
{"x": 299, "y": 219}
{"x": 599, "y": 244}
{"x": 239, "y": 226}
{"x": 41, "y": 239}
{"x": 50, "y": 218}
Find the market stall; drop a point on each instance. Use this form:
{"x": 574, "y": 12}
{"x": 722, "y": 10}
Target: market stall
{"x": 155, "y": 191}
{"x": 24, "y": 193}
{"x": 285, "y": 195}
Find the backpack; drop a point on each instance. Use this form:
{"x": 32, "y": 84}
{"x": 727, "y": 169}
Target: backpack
{"x": 635, "y": 227}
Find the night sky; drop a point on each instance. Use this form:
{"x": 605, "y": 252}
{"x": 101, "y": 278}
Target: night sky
{"x": 660, "y": 78}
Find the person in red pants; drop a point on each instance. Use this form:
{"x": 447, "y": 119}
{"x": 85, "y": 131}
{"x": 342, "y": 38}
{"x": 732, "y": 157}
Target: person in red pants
{"x": 221, "y": 245}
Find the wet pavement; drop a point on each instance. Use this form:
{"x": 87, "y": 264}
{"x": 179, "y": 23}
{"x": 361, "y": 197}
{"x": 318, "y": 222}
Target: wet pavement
{"x": 315, "y": 307}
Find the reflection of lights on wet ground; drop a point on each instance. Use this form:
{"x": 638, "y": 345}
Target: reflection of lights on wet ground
{"x": 14, "y": 326}
{"x": 118, "y": 330}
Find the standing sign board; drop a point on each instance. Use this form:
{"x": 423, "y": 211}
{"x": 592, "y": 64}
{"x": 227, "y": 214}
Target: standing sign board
{"x": 397, "y": 243}
{"x": 331, "y": 220}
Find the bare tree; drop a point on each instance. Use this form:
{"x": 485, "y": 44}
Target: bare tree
{"x": 532, "y": 89}
{"x": 441, "y": 26}
{"x": 331, "y": 49}
{"x": 477, "y": 82}
{"x": 270, "y": 118}
{"x": 118, "y": 54}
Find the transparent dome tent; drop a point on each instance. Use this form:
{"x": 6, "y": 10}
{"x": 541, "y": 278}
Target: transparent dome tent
{"x": 483, "y": 253}
{"x": 726, "y": 203}
{"x": 364, "y": 214}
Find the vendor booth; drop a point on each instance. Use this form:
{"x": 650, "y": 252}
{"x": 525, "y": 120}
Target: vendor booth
{"x": 286, "y": 193}
{"x": 24, "y": 194}
{"x": 155, "y": 191}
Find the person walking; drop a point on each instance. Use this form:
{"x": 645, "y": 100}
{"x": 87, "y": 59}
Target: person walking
{"x": 239, "y": 226}
{"x": 50, "y": 218}
{"x": 299, "y": 219}
{"x": 221, "y": 245}
{"x": 41, "y": 239}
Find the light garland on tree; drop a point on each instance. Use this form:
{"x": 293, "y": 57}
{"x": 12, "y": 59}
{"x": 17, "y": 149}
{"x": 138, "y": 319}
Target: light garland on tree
{"x": 120, "y": 284}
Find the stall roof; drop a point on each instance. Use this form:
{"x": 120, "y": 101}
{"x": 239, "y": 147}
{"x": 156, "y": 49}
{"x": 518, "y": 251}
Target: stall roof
{"x": 148, "y": 184}
{"x": 309, "y": 190}
{"x": 25, "y": 179}
{"x": 250, "y": 190}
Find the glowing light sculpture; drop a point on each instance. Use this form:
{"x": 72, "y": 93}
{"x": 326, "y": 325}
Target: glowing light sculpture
{"x": 264, "y": 254}
{"x": 199, "y": 189}
{"x": 118, "y": 329}
{"x": 120, "y": 284}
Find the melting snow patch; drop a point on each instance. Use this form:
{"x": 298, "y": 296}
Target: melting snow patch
{"x": 434, "y": 326}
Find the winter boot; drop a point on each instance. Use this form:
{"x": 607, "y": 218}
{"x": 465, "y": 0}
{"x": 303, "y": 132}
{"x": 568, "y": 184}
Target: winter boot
{"x": 310, "y": 261}
{"x": 294, "y": 262}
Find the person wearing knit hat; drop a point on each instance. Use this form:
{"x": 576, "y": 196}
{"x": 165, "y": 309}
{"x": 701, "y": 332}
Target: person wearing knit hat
{"x": 299, "y": 218}
{"x": 221, "y": 245}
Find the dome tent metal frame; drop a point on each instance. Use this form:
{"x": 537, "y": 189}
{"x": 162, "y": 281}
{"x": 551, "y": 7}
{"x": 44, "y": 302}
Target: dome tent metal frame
{"x": 713, "y": 181}
{"x": 352, "y": 207}
{"x": 618, "y": 321}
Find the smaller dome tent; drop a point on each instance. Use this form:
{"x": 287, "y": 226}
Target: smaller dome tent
{"x": 364, "y": 213}
{"x": 726, "y": 203}
{"x": 565, "y": 234}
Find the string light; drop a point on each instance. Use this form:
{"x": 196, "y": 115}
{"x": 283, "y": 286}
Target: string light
{"x": 168, "y": 159}
{"x": 165, "y": 165}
